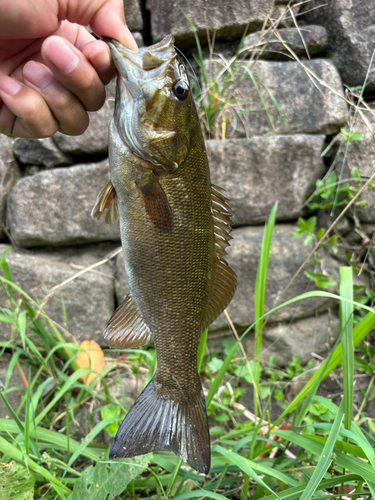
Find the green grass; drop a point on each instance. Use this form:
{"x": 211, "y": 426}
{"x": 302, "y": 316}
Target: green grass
{"x": 38, "y": 441}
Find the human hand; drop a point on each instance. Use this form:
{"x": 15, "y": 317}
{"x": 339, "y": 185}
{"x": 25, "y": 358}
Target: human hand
{"x": 52, "y": 70}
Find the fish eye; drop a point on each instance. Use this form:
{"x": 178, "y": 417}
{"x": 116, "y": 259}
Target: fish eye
{"x": 181, "y": 90}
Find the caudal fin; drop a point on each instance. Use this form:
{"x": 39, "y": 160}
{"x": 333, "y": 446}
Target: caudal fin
{"x": 157, "y": 423}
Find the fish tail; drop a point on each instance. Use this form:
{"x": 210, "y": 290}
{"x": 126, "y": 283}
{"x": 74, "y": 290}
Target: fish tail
{"x": 159, "y": 421}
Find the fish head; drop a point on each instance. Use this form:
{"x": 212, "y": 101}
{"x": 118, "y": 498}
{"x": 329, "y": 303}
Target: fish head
{"x": 153, "y": 103}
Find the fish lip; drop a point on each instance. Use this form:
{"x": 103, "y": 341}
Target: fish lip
{"x": 132, "y": 70}
{"x": 123, "y": 55}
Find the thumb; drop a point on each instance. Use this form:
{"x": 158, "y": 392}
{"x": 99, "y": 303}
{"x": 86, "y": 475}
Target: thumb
{"x": 109, "y": 21}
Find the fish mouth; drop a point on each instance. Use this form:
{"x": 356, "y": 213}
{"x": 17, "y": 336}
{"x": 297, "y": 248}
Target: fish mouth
{"x": 136, "y": 69}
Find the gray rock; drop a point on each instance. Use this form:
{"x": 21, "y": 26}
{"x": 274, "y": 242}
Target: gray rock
{"x": 53, "y": 207}
{"x": 304, "y": 337}
{"x": 95, "y": 138}
{"x": 133, "y": 15}
{"x": 228, "y": 19}
{"x": 281, "y": 15}
{"x": 286, "y": 256}
{"x": 361, "y": 154}
{"x": 260, "y": 171}
{"x": 138, "y": 38}
{"x": 88, "y": 299}
{"x": 269, "y": 47}
{"x": 303, "y": 107}
{"x": 9, "y": 175}
{"x": 40, "y": 152}
{"x": 343, "y": 226}
{"x": 351, "y": 35}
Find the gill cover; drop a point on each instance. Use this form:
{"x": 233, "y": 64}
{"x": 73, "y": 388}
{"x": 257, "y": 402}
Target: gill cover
{"x": 153, "y": 103}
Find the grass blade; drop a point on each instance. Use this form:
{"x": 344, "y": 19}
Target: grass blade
{"x": 326, "y": 456}
{"x": 255, "y": 83}
{"x": 16, "y": 454}
{"x": 295, "y": 493}
{"x": 244, "y": 465}
{"x": 259, "y": 293}
{"x": 346, "y": 326}
{"x": 201, "y": 349}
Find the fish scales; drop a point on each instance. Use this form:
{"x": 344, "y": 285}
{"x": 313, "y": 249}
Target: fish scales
{"x": 174, "y": 229}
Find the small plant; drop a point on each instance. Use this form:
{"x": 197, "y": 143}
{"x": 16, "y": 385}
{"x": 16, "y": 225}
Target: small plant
{"x": 218, "y": 98}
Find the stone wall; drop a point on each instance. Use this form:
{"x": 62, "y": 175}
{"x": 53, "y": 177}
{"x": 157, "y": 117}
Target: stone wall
{"x": 48, "y": 186}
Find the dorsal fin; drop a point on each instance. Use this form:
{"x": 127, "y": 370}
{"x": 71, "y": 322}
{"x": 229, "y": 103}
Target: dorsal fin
{"x": 126, "y": 329}
{"x": 224, "y": 280}
{"x": 106, "y": 202}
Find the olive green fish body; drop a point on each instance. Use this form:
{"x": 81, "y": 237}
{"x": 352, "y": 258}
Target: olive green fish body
{"x": 174, "y": 230}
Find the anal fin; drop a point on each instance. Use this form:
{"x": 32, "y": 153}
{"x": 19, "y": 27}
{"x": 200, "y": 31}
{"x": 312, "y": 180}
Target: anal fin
{"x": 224, "y": 279}
{"x": 106, "y": 202}
{"x": 126, "y": 329}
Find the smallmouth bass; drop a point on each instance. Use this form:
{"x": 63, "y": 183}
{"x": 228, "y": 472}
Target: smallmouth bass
{"x": 174, "y": 231}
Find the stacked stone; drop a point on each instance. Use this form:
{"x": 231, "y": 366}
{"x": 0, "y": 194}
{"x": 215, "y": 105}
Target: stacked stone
{"x": 48, "y": 209}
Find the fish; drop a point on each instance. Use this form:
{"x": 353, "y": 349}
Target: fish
{"x": 174, "y": 227}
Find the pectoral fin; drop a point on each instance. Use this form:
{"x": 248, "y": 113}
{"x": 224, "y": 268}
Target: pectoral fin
{"x": 126, "y": 329}
{"x": 106, "y": 202}
{"x": 156, "y": 203}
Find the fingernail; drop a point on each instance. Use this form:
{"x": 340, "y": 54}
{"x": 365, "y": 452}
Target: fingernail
{"x": 9, "y": 85}
{"x": 61, "y": 55}
{"x": 37, "y": 74}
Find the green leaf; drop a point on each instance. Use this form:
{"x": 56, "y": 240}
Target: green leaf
{"x": 354, "y": 173}
{"x": 357, "y": 136}
{"x": 5, "y": 268}
{"x": 111, "y": 411}
{"x": 16, "y": 482}
{"x": 310, "y": 224}
{"x": 215, "y": 364}
{"x": 105, "y": 481}
{"x": 320, "y": 280}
